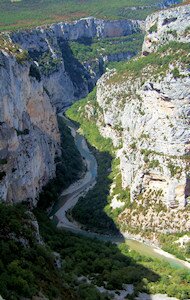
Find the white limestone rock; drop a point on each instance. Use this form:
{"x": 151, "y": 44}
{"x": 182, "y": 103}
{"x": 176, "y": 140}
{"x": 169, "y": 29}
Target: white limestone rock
{"x": 68, "y": 84}
{"x": 149, "y": 116}
{"x": 165, "y": 26}
{"x": 29, "y": 138}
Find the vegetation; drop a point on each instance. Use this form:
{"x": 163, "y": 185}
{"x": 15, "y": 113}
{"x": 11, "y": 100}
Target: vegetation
{"x": 170, "y": 244}
{"x": 153, "y": 28}
{"x": 48, "y": 64}
{"x": 157, "y": 63}
{"x": 90, "y": 210}
{"x": 153, "y": 164}
{"x": 69, "y": 168}
{"x": 176, "y": 73}
{"x": 28, "y": 268}
{"x": 25, "y": 13}
{"x": 86, "y": 49}
{"x": 111, "y": 266}
{"x": 172, "y": 32}
{"x": 174, "y": 170}
{"x": 187, "y": 31}
{"x": 20, "y": 55}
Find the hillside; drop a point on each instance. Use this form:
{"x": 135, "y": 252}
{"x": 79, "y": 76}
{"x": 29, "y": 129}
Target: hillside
{"x": 134, "y": 199}
{"x": 27, "y": 14}
{"x": 143, "y": 107}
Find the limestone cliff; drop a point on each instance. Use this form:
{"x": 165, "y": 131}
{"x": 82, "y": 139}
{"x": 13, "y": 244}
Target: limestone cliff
{"x": 64, "y": 77}
{"x": 145, "y": 109}
{"x": 165, "y": 26}
{"x": 37, "y": 66}
{"x": 29, "y": 135}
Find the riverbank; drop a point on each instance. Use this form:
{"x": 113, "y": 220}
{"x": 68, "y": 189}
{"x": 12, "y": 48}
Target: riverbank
{"x": 71, "y": 195}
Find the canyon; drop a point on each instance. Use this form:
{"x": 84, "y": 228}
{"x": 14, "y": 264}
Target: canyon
{"x": 135, "y": 118}
{"x": 31, "y": 96}
{"x": 147, "y": 115}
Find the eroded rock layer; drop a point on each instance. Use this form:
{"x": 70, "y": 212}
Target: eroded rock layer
{"x": 65, "y": 78}
{"x": 29, "y": 135}
{"x": 145, "y": 110}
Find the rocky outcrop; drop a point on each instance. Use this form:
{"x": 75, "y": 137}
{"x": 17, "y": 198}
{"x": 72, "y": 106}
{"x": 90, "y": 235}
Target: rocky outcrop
{"x": 86, "y": 28}
{"x": 29, "y": 135}
{"x": 145, "y": 109}
{"x": 151, "y": 121}
{"x": 29, "y": 138}
{"x": 64, "y": 77}
{"x": 168, "y": 25}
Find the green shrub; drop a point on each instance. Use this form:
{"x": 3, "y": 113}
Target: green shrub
{"x": 176, "y": 73}
{"x": 23, "y": 132}
{"x": 133, "y": 146}
{"x": 153, "y": 164}
{"x": 153, "y": 28}
{"x": 3, "y": 161}
{"x": 2, "y": 175}
{"x": 174, "y": 170}
{"x": 172, "y": 32}
{"x": 34, "y": 72}
{"x": 22, "y": 56}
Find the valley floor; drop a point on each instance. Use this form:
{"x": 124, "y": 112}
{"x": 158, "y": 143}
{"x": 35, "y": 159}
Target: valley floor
{"x": 71, "y": 195}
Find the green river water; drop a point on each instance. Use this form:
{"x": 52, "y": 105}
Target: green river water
{"x": 142, "y": 248}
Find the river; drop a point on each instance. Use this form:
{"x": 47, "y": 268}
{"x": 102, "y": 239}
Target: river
{"x": 70, "y": 196}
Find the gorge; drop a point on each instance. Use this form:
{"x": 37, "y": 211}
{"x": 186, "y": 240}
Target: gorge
{"x": 136, "y": 123}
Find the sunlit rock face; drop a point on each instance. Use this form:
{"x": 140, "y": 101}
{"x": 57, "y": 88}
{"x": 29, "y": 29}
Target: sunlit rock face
{"x": 31, "y": 92}
{"x": 165, "y": 26}
{"x": 147, "y": 117}
{"x": 65, "y": 78}
{"x": 151, "y": 121}
{"x": 29, "y": 138}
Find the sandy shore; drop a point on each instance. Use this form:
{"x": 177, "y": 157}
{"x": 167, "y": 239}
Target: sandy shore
{"x": 168, "y": 255}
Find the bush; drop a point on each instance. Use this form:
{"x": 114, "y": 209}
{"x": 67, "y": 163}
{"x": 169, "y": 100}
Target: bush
{"x": 176, "y": 73}
{"x": 34, "y": 72}
{"x": 2, "y": 175}
{"x": 22, "y": 56}
{"x": 153, "y": 28}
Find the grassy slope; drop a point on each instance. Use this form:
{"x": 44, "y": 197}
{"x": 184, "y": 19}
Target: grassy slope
{"x": 174, "y": 52}
{"x": 26, "y": 13}
{"x": 157, "y": 62}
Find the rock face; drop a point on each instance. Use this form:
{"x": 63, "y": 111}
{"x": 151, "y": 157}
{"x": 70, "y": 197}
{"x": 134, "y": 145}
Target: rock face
{"x": 80, "y": 29}
{"x": 146, "y": 114}
{"x": 65, "y": 78}
{"x": 165, "y": 26}
{"x": 152, "y": 123}
{"x": 29, "y": 137}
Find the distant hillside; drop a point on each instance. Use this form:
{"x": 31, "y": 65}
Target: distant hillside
{"x": 15, "y": 14}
